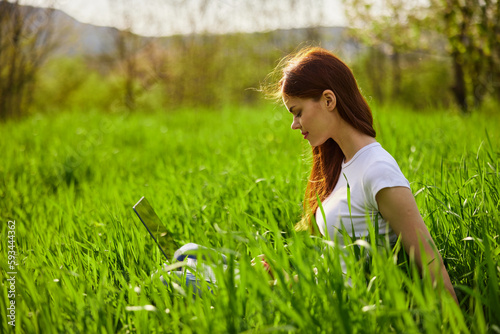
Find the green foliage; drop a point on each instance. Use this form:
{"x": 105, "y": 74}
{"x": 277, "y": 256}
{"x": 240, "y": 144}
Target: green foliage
{"x": 234, "y": 180}
{"x": 211, "y": 71}
{"x": 198, "y": 71}
{"x": 425, "y": 81}
{"x": 68, "y": 83}
{"x": 464, "y": 32}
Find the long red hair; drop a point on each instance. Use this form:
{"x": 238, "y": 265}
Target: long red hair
{"x": 307, "y": 74}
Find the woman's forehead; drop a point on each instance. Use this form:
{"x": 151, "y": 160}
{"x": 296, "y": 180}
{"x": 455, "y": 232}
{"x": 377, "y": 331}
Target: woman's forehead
{"x": 287, "y": 100}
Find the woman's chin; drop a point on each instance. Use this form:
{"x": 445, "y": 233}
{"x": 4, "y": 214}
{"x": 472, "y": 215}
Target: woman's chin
{"x": 315, "y": 143}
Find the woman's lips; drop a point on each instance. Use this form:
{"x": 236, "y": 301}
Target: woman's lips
{"x": 305, "y": 134}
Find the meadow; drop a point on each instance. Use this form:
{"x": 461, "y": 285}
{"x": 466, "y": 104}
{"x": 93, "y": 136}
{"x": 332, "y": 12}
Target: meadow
{"x": 233, "y": 180}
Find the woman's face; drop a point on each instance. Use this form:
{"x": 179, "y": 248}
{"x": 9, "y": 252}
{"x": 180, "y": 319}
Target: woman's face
{"x": 315, "y": 119}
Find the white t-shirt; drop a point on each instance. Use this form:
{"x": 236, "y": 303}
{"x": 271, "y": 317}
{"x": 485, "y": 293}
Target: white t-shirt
{"x": 371, "y": 169}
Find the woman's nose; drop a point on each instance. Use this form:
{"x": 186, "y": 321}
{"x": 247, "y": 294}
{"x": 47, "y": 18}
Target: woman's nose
{"x": 295, "y": 124}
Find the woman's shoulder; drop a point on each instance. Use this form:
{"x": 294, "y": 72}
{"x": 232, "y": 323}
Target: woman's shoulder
{"x": 375, "y": 154}
{"x": 382, "y": 170}
{"x": 372, "y": 162}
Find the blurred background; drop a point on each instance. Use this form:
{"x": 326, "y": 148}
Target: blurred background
{"x": 112, "y": 55}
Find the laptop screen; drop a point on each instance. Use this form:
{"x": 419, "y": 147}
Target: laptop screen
{"x": 156, "y": 229}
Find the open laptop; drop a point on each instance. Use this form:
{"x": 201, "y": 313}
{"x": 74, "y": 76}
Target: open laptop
{"x": 156, "y": 229}
{"x": 170, "y": 248}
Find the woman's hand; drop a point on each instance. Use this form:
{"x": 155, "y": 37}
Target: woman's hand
{"x": 262, "y": 259}
{"x": 267, "y": 268}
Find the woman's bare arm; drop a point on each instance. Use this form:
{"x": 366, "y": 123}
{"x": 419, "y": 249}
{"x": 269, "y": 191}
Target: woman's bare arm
{"x": 398, "y": 207}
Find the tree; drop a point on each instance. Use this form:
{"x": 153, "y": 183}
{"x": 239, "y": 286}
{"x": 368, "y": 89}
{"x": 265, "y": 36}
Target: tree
{"x": 385, "y": 27}
{"x": 27, "y": 38}
{"x": 127, "y": 44}
{"x": 472, "y": 28}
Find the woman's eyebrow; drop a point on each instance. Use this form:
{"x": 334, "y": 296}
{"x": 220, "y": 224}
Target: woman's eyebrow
{"x": 291, "y": 109}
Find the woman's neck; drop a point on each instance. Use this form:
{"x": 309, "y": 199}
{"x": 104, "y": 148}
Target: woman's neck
{"x": 351, "y": 141}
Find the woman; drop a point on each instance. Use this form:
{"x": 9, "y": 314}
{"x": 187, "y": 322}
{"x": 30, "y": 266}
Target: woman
{"x": 320, "y": 91}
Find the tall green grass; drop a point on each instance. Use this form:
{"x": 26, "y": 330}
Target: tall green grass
{"x": 234, "y": 180}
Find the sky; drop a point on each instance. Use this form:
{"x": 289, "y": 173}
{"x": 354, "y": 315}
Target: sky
{"x": 167, "y": 17}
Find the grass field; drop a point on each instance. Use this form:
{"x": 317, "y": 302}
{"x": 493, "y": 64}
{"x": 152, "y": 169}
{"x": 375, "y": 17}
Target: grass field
{"x": 234, "y": 180}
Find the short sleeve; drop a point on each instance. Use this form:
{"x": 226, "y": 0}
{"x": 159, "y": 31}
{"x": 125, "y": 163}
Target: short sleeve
{"x": 380, "y": 175}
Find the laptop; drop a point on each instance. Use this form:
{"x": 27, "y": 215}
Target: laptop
{"x": 170, "y": 248}
{"x": 156, "y": 229}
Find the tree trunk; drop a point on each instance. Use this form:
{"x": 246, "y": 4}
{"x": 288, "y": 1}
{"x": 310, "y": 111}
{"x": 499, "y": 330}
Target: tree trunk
{"x": 459, "y": 89}
{"x": 396, "y": 75}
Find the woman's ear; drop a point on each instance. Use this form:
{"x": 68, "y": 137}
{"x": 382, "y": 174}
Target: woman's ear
{"x": 330, "y": 99}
